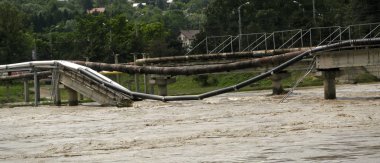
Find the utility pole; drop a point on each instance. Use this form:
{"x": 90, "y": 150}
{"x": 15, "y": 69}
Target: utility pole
{"x": 51, "y": 41}
{"x": 315, "y": 22}
{"x": 136, "y": 31}
{"x": 117, "y": 62}
{"x": 240, "y": 24}
{"x": 137, "y": 82}
{"x": 110, "y": 38}
{"x": 145, "y": 77}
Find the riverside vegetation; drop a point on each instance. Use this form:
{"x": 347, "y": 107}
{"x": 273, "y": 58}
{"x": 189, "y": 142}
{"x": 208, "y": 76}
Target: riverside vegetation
{"x": 63, "y": 29}
{"x": 194, "y": 84}
{"x": 56, "y": 29}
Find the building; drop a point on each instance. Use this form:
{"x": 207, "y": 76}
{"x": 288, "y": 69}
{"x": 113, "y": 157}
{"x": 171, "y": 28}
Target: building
{"x": 96, "y": 10}
{"x": 136, "y": 5}
{"x": 187, "y": 37}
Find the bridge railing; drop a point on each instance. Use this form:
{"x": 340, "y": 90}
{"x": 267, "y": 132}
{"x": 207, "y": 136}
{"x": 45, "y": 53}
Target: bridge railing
{"x": 225, "y": 46}
{"x": 295, "y": 38}
{"x": 213, "y": 44}
{"x": 360, "y": 31}
{"x": 216, "y": 43}
{"x": 323, "y": 35}
{"x": 231, "y": 46}
{"x": 277, "y": 40}
{"x": 251, "y": 40}
{"x": 287, "y": 39}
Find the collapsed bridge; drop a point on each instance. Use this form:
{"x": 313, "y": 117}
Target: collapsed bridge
{"x": 90, "y": 83}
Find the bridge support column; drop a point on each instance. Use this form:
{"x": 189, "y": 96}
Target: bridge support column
{"x": 26, "y": 90}
{"x": 145, "y": 83}
{"x": 151, "y": 90}
{"x": 137, "y": 82}
{"x": 7, "y": 85}
{"x": 55, "y": 87}
{"x": 57, "y": 98}
{"x": 73, "y": 97}
{"x": 329, "y": 83}
{"x": 36, "y": 89}
{"x": 137, "y": 76}
{"x": 162, "y": 83}
{"x": 276, "y": 78}
{"x": 146, "y": 77}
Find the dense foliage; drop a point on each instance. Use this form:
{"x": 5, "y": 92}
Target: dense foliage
{"x": 271, "y": 15}
{"x": 62, "y": 29}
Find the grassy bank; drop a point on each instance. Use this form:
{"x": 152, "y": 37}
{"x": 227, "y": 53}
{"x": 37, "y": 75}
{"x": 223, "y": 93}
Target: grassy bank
{"x": 193, "y": 85}
{"x": 183, "y": 86}
{"x": 189, "y": 84}
{"x": 14, "y": 92}
{"x": 11, "y": 92}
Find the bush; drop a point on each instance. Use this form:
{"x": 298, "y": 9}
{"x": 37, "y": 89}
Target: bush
{"x": 205, "y": 80}
{"x": 366, "y": 78}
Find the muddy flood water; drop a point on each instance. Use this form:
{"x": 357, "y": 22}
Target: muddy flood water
{"x": 235, "y": 127}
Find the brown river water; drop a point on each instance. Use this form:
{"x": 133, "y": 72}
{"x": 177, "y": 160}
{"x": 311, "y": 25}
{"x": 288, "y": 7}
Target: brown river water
{"x": 235, "y": 127}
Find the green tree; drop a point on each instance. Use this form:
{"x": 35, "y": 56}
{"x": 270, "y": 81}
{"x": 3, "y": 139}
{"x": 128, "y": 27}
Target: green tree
{"x": 153, "y": 35}
{"x": 176, "y": 20}
{"x": 91, "y": 34}
{"x": 272, "y": 15}
{"x": 103, "y": 37}
{"x": 121, "y": 38}
{"x": 366, "y": 10}
{"x": 100, "y": 3}
{"x": 15, "y": 43}
{"x": 86, "y": 4}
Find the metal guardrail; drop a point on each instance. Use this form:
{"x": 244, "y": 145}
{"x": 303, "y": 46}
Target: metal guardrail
{"x": 285, "y": 39}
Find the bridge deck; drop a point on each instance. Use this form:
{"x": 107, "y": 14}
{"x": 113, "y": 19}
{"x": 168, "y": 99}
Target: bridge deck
{"x": 93, "y": 90}
{"x": 349, "y": 58}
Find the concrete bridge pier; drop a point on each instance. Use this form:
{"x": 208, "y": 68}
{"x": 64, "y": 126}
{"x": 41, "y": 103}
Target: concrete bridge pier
{"x": 329, "y": 76}
{"x": 331, "y": 62}
{"x": 73, "y": 96}
{"x": 137, "y": 82}
{"x": 55, "y": 87}
{"x": 26, "y": 90}
{"x": 151, "y": 89}
{"x": 7, "y": 89}
{"x": 36, "y": 88}
{"x": 276, "y": 78}
{"x": 57, "y": 97}
{"x": 162, "y": 82}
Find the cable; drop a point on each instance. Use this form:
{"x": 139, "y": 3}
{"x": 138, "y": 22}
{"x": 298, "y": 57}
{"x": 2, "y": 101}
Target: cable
{"x": 311, "y": 67}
